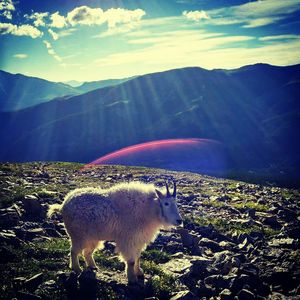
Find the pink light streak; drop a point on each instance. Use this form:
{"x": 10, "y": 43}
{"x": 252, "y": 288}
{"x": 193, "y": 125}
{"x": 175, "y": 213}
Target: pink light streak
{"x": 153, "y": 145}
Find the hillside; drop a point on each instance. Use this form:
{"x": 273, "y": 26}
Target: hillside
{"x": 253, "y": 111}
{"x": 239, "y": 241}
{"x": 18, "y": 91}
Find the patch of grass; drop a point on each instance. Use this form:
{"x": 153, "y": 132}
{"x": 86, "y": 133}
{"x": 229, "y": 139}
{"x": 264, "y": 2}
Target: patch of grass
{"x": 162, "y": 286}
{"x": 151, "y": 267}
{"x": 295, "y": 256}
{"x": 29, "y": 259}
{"x": 252, "y": 205}
{"x": 213, "y": 203}
{"x": 227, "y": 226}
{"x": 156, "y": 256}
{"x": 106, "y": 262}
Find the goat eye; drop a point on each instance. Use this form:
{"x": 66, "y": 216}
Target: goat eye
{"x": 167, "y": 204}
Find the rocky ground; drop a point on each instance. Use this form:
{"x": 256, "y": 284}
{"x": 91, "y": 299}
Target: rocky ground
{"x": 239, "y": 241}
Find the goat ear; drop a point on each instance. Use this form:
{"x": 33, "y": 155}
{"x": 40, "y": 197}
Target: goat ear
{"x": 159, "y": 194}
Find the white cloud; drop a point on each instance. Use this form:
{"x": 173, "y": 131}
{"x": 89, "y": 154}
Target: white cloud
{"x": 38, "y": 18}
{"x": 279, "y": 37}
{"x": 85, "y": 15}
{"x": 53, "y": 34}
{"x": 20, "y": 55}
{"x": 52, "y": 52}
{"x": 22, "y": 30}
{"x": 195, "y": 15}
{"x": 57, "y": 20}
{"x": 6, "y": 8}
{"x": 115, "y": 16}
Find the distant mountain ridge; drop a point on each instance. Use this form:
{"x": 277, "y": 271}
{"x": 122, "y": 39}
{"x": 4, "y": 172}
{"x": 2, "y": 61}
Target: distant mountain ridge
{"x": 18, "y": 91}
{"x": 93, "y": 85}
{"x": 253, "y": 111}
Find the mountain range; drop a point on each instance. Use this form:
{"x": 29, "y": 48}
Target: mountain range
{"x": 253, "y": 111}
{"x": 18, "y": 91}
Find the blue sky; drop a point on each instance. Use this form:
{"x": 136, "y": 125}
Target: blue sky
{"x": 100, "y": 39}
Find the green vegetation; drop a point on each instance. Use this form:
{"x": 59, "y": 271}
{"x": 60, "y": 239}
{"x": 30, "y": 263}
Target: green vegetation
{"x": 251, "y": 205}
{"x": 162, "y": 286}
{"x": 107, "y": 262}
{"x": 156, "y": 256}
{"x": 229, "y": 226}
{"x": 214, "y": 203}
{"x": 26, "y": 260}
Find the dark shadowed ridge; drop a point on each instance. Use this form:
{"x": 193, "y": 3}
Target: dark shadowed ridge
{"x": 254, "y": 111}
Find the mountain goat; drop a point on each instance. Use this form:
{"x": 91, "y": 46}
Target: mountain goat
{"x": 130, "y": 214}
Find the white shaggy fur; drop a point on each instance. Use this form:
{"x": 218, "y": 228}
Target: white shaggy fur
{"x": 130, "y": 214}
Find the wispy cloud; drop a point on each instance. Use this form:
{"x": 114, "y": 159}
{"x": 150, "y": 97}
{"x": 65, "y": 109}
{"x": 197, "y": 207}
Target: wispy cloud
{"x": 53, "y": 34}
{"x": 251, "y": 14}
{"x": 51, "y": 51}
{"x": 279, "y": 37}
{"x": 22, "y": 30}
{"x": 20, "y": 55}
{"x": 192, "y": 48}
{"x": 184, "y": 48}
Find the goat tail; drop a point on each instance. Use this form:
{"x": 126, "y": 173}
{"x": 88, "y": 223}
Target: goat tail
{"x": 55, "y": 208}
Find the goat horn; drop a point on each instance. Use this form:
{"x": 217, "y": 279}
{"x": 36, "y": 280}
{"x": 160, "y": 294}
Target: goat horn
{"x": 174, "y": 189}
{"x": 167, "y": 187}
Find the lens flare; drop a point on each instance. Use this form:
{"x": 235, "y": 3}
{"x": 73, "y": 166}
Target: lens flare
{"x": 186, "y": 154}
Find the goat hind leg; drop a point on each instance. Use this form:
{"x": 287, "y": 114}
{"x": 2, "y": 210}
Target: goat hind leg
{"x": 74, "y": 261}
{"x": 88, "y": 257}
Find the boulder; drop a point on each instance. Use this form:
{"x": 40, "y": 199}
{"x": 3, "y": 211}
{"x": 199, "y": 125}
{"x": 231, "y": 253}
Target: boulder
{"x": 32, "y": 283}
{"x": 34, "y": 210}
{"x": 184, "y": 295}
{"x": 245, "y": 295}
{"x": 214, "y": 246}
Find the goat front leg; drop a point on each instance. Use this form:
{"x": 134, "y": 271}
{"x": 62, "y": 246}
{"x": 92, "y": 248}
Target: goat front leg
{"x": 130, "y": 271}
{"x": 137, "y": 269}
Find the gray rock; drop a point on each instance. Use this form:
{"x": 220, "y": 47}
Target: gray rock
{"x": 214, "y": 246}
{"x": 204, "y": 291}
{"x": 189, "y": 240}
{"x": 272, "y": 221}
{"x": 34, "y": 210}
{"x": 218, "y": 282}
{"x": 285, "y": 243}
{"x": 8, "y": 218}
{"x": 33, "y": 233}
{"x": 9, "y": 237}
{"x": 199, "y": 267}
{"x": 21, "y": 295}
{"x": 88, "y": 283}
{"x": 32, "y": 283}
{"x": 226, "y": 295}
{"x": 184, "y": 295}
{"x": 246, "y": 295}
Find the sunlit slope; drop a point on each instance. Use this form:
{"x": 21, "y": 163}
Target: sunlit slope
{"x": 254, "y": 111}
{"x": 18, "y": 91}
